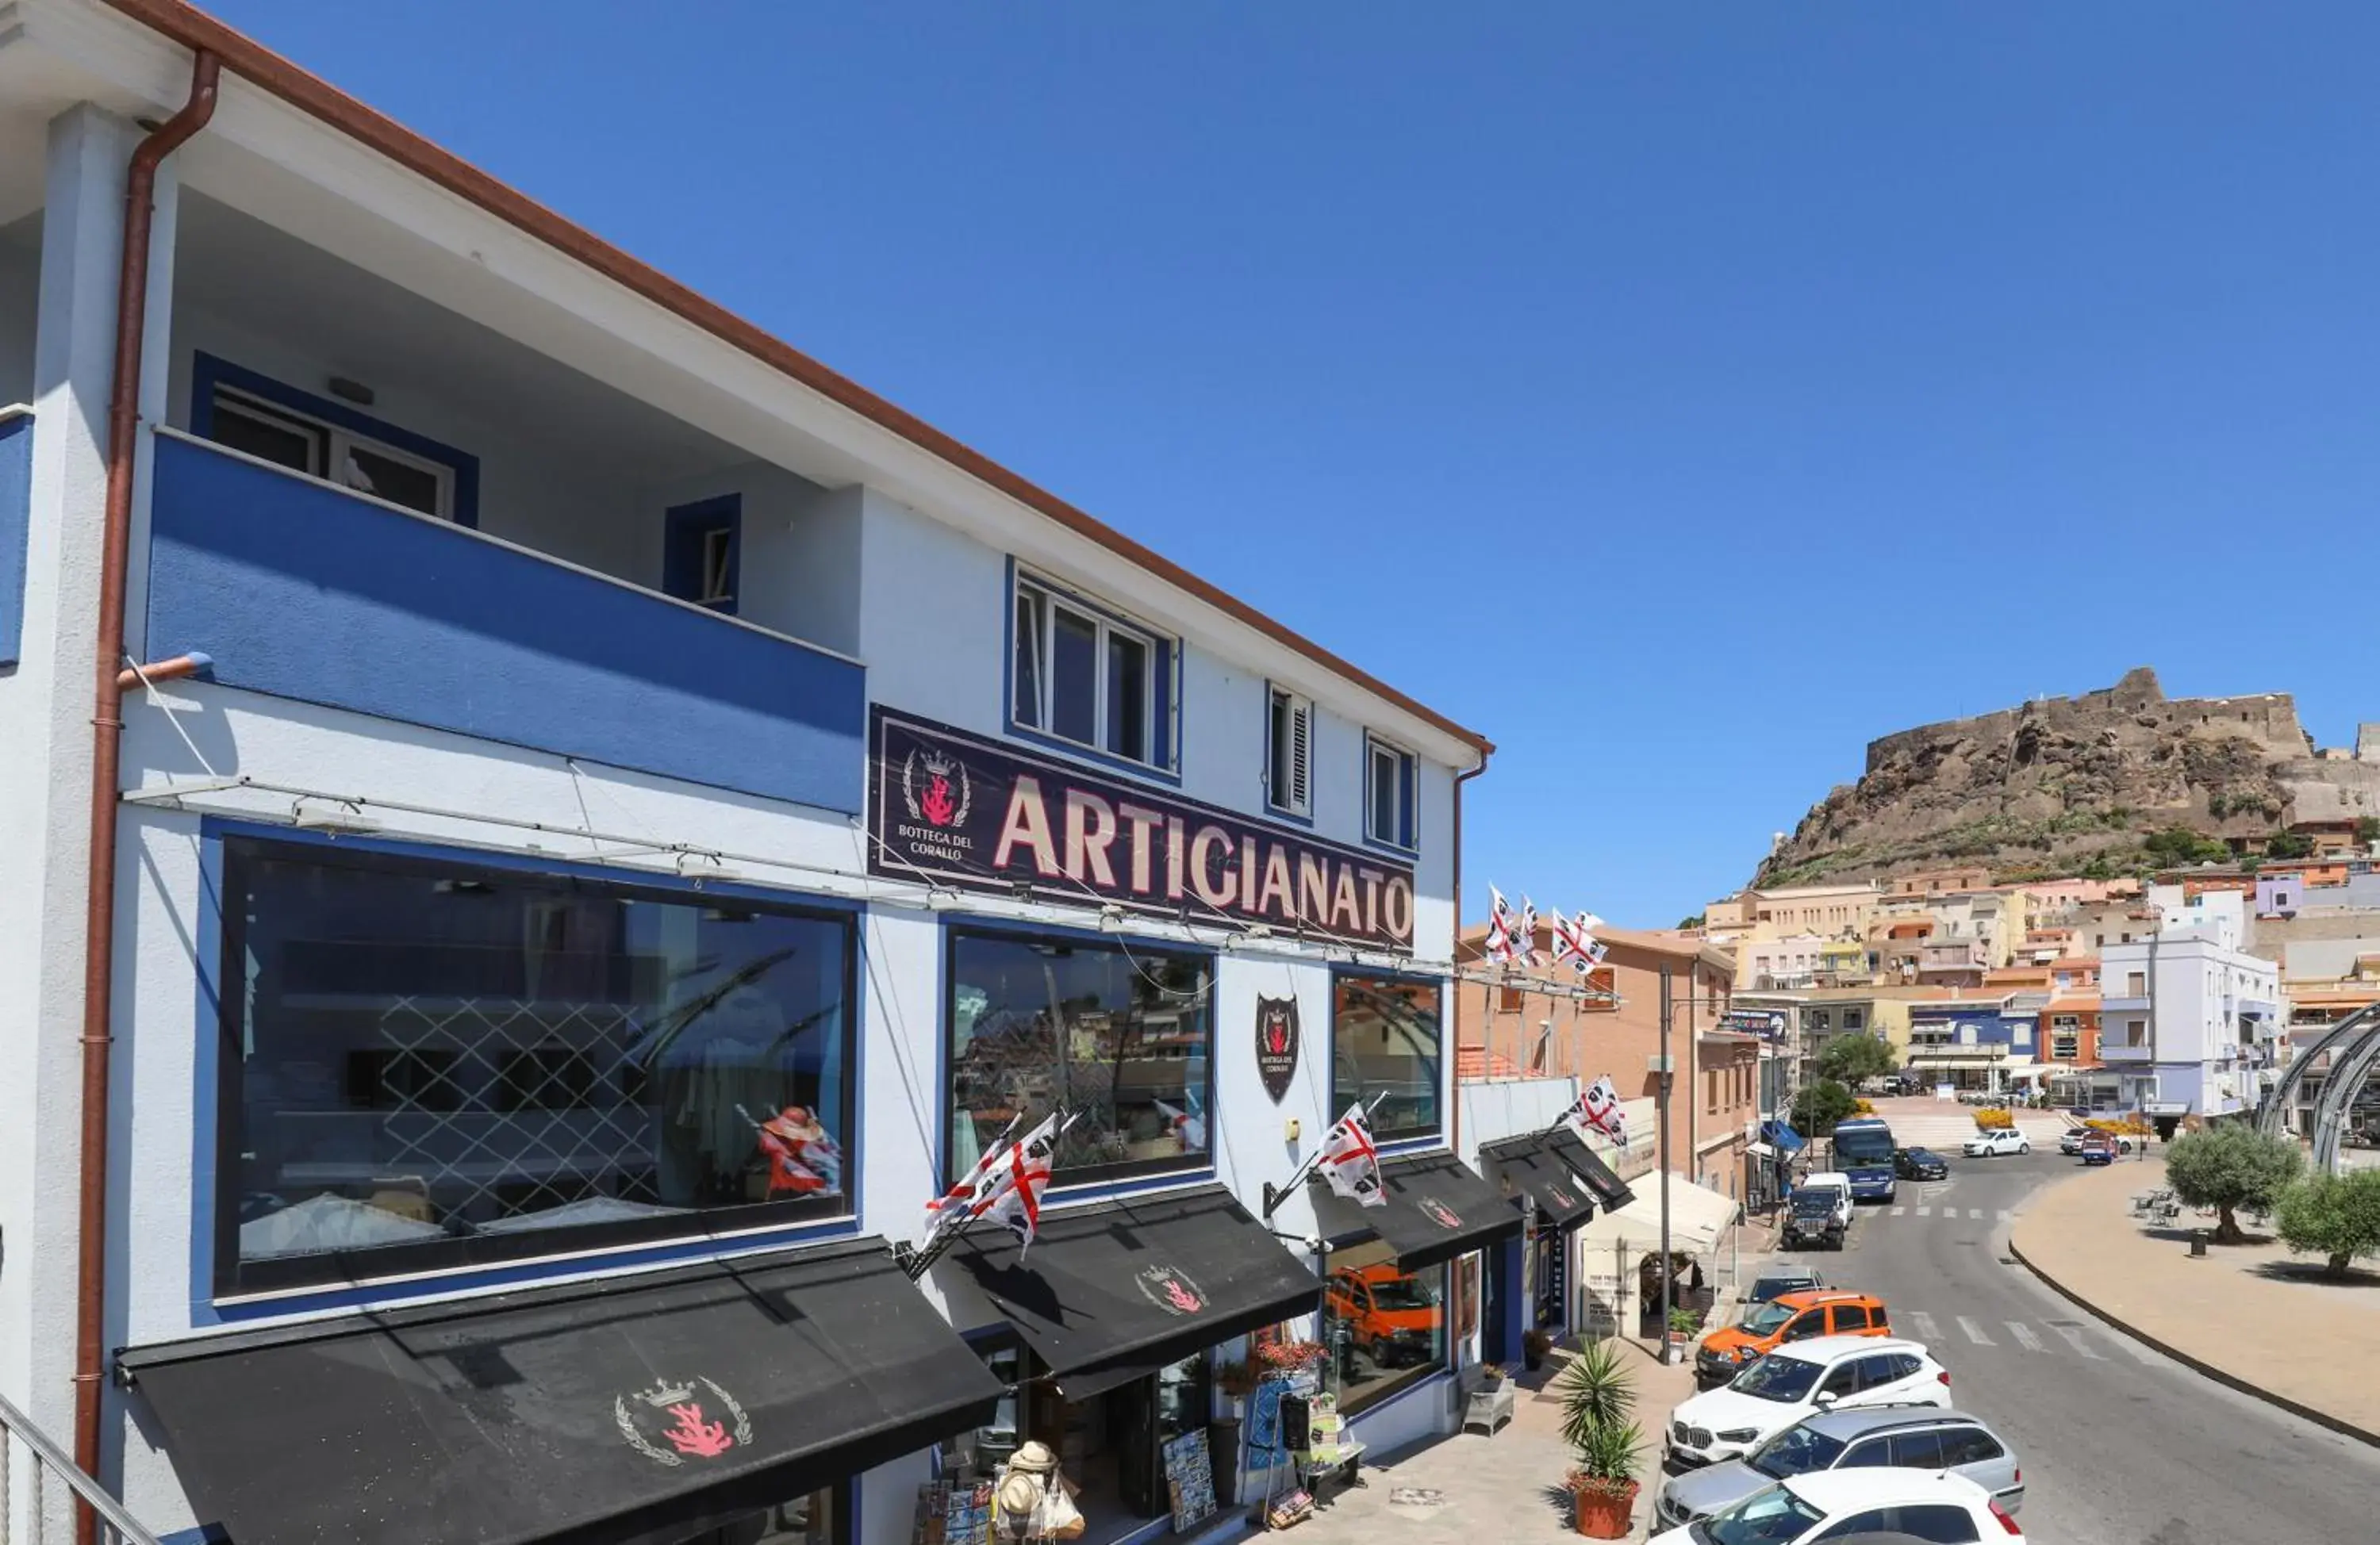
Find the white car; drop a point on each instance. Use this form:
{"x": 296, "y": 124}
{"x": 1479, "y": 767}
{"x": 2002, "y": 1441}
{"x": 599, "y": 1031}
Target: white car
{"x": 1832, "y": 1180}
{"x": 1796, "y": 1381}
{"x": 1983, "y": 1145}
{"x": 1837, "y": 1504}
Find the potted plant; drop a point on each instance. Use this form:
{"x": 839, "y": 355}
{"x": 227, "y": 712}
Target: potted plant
{"x": 1598, "y": 1393}
{"x": 1683, "y": 1323}
{"x": 1535, "y": 1345}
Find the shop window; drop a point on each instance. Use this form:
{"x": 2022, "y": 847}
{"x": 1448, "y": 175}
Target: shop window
{"x": 1080, "y": 676}
{"x": 1120, "y": 1035}
{"x": 1388, "y": 795}
{"x": 818, "y": 1518}
{"x": 1385, "y": 1047}
{"x": 1383, "y": 1329}
{"x": 433, "y": 1063}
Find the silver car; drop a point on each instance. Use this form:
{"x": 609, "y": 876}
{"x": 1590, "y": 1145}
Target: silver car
{"x": 1901, "y": 1437}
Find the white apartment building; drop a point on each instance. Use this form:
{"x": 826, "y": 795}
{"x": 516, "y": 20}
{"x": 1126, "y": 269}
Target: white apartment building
{"x": 2190, "y": 1022}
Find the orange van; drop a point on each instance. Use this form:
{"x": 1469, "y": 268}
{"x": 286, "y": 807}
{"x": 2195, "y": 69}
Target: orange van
{"x": 1393, "y": 1318}
{"x": 1789, "y": 1317}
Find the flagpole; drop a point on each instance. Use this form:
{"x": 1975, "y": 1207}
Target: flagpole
{"x": 1275, "y": 1195}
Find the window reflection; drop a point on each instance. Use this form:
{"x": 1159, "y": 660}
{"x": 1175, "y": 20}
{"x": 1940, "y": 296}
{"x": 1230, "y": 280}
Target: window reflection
{"x": 1385, "y": 1041}
{"x": 1384, "y": 1328}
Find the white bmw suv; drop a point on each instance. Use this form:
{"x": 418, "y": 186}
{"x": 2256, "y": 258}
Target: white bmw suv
{"x": 1795, "y": 1382}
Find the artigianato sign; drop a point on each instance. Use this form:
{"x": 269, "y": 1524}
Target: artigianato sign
{"x": 974, "y": 814}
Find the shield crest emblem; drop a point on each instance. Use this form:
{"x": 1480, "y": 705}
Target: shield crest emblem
{"x": 1277, "y": 1045}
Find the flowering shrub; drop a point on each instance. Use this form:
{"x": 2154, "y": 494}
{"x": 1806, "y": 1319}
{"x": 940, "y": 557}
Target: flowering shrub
{"x": 1994, "y": 1121}
{"x": 2129, "y": 1126}
{"x": 1283, "y": 1355}
{"x": 1863, "y": 1107}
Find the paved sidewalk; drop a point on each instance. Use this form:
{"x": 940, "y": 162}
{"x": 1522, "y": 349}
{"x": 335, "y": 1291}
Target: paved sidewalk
{"x": 1469, "y": 1489}
{"x": 2244, "y": 1314}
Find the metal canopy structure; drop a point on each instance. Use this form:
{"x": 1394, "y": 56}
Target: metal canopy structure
{"x": 2354, "y": 1045}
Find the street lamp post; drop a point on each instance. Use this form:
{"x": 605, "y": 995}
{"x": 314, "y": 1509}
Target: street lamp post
{"x": 1668, "y": 1080}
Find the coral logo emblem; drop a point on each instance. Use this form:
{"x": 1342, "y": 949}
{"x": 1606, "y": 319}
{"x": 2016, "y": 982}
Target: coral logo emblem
{"x": 668, "y": 1423}
{"x": 1440, "y": 1212}
{"x": 942, "y": 796}
{"x": 1170, "y": 1290}
{"x": 1277, "y": 1045}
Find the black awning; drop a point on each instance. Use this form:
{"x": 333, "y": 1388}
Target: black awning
{"x": 633, "y": 1409}
{"x": 1609, "y": 1190}
{"x": 1438, "y": 1208}
{"x": 1525, "y": 1167}
{"x": 1122, "y": 1289}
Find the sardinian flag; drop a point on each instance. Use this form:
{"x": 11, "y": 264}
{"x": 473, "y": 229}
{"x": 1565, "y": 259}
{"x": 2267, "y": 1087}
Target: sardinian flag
{"x": 1349, "y": 1163}
{"x": 1574, "y": 941}
{"x": 1500, "y": 929}
{"x": 991, "y": 1178}
{"x": 1525, "y": 943}
{"x": 1027, "y": 1176}
{"x": 1598, "y": 1110}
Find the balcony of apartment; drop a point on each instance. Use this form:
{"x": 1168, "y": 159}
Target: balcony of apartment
{"x": 364, "y": 500}
{"x": 2123, "y": 1051}
{"x": 2125, "y": 1002}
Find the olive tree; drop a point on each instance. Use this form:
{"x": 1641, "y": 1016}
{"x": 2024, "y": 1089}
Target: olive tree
{"x": 2229, "y": 1166}
{"x": 1853, "y": 1059}
{"x": 1819, "y": 1106}
{"x": 2337, "y": 1216}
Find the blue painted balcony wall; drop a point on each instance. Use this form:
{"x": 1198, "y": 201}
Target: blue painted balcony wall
{"x": 304, "y": 591}
{"x": 15, "y": 526}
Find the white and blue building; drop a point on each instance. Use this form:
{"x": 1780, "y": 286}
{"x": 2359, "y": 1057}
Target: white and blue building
{"x": 633, "y": 815}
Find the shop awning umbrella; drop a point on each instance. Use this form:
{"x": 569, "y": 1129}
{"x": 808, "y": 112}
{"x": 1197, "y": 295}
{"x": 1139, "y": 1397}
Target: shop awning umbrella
{"x": 329, "y": 1222}
{"x": 1439, "y": 1208}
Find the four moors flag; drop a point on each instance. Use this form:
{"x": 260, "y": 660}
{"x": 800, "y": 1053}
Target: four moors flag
{"x": 1007, "y": 1184}
{"x": 1500, "y": 929}
{"x": 1349, "y": 1163}
{"x": 1598, "y": 1110}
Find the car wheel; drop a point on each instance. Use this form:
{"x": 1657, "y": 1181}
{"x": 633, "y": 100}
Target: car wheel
{"x": 2024, "y": 1148}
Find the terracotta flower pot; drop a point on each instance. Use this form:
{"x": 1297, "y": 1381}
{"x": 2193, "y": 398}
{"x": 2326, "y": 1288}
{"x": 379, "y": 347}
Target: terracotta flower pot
{"x": 1605, "y": 1514}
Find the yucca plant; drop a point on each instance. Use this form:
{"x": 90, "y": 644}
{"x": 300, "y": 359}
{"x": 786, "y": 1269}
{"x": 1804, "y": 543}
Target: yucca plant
{"x": 1607, "y": 1460}
{"x": 1597, "y": 1391}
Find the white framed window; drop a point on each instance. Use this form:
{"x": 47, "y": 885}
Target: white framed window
{"x": 1085, "y": 677}
{"x": 1289, "y": 745}
{"x": 1388, "y": 793}
{"x": 303, "y": 444}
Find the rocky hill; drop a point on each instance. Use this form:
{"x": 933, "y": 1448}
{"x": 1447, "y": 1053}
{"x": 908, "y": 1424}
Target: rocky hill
{"x": 2062, "y": 785}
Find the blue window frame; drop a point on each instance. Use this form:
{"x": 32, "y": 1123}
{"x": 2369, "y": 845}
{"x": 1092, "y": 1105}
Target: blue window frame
{"x": 1390, "y": 776}
{"x": 1089, "y": 682}
{"x": 259, "y": 416}
{"x": 702, "y": 552}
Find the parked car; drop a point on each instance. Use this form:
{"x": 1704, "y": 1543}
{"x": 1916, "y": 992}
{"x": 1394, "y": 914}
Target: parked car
{"x": 1794, "y": 1317}
{"x": 2071, "y": 1140}
{"x": 1778, "y": 1280}
{"x": 1813, "y": 1221}
{"x": 1908, "y": 1440}
{"x": 1392, "y": 1318}
{"x": 1985, "y": 1145}
{"x": 1920, "y": 1163}
{"x": 1796, "y": 1381}
{"x": 2097, "y": 1150}
{"x": 1841, "y": 1505}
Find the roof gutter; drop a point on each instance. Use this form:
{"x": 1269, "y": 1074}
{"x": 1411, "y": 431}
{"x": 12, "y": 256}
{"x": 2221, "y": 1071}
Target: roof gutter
{"x": 1454, "y": 1120}
{"x": 268, "y": 71}
{"x": 107, "y": 738}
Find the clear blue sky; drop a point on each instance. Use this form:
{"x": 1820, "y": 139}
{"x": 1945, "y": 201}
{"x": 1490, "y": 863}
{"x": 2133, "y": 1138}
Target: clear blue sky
{"x": 1680, "y": 395}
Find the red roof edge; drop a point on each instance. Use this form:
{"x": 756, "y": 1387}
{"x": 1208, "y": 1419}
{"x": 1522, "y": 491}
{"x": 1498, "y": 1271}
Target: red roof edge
{"x": 253, "y": 61}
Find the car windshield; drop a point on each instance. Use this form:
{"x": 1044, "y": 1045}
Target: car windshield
{"x": 1763, "y": 1518}
{"x": 1814, "y": 1203}
{"x": 1767, "y": 1318}
{"x": 1769, "y": 1288}
{"x": 1794, "y": 1451}
{"x": 1403, "y": 1293}
{"x": 1776, "y": 1377}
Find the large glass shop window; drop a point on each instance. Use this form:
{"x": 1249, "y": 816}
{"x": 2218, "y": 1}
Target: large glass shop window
{"x": 1384, "y": 1041}
{"x": 436, "y": 1063}
{"x": 1382, "y": 1329}
{"x": 1117, "y": 1035}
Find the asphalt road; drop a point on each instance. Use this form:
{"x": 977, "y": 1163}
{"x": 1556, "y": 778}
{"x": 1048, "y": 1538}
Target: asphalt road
{"x": 2119, "y": 1444}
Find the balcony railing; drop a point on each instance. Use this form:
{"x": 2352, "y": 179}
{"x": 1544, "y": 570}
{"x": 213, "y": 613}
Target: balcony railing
{"x": 2135, "y": 1003}
{"x": 307, "y": 591}
{"x": 2116, "y": 1051}
{"x": 49, "y": 1485}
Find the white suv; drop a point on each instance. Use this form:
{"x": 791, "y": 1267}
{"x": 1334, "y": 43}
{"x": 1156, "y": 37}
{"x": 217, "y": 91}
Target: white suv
{"x": 1840, "y": 1505}
{"x": 1796, "y": 1381}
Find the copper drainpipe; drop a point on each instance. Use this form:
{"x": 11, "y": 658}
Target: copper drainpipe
{"x": 107, "y": 732}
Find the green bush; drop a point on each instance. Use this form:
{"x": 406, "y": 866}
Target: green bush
{"x": 1850, "y": 1058}
{"x": 2229, "y": 1166}
{"x": 1819, "y": 1106}
{"x": 2337, "y": 1216}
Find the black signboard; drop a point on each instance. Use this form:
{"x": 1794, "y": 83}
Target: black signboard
{"x": 971, "y": 813}
{"x": 1277, "y": 1045}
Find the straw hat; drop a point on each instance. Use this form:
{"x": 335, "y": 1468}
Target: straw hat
{"x": 1034, "y": 1459}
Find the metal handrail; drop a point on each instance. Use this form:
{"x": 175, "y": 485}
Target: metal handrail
{"x": 47, "y": 1456}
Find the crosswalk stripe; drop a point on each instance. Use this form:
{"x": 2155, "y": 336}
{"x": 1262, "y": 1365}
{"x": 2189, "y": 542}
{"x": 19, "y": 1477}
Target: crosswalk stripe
{"x": 1975, "y": 1213}
{"x": 1976, "y": 1333}
{"x": 2025, "y": 1336}
{"x": 1925, "y": 1326}
{"x": 1926, "y": 1211}
{"x": 2004, "y": 1215}
{"x": 2074, "y": 1338}
{"x": 1895, "y": 1211}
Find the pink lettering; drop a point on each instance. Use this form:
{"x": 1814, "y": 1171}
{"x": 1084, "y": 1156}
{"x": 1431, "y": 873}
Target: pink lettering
{"x": 1204, "y": 872}
{"x": 1276, "y": 883}
{"x": 1314, "y": 889}
{"x": 1174, "y": 858}
{"x": 1371, "y": 879}
{"x": 1027, "y": 822}
{"x": 1247, "y": 874}
{"x": 1346, "y": 910}
{"x": 1398, "y": 908}
{"x": 1142, "y": 822}
{"x": 1090, "y": 831}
